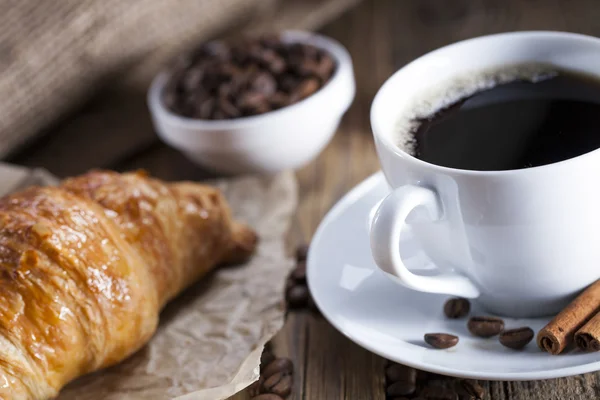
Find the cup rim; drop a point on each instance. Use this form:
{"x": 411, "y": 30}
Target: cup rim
{"x": 333, "y": 47}
{"x": 396, "y": 150}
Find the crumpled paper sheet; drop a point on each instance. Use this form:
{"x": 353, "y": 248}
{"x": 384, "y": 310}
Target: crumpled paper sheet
{"x": 210, "y": 339}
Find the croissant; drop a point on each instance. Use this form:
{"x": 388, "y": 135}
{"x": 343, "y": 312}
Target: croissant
{"x": 85, "y": 268}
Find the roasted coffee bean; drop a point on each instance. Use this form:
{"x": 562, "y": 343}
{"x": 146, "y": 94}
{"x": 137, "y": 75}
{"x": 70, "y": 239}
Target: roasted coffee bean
{"x": 268, "y": 347}
{"x": 287, "y": 83}
{"x": 485, "y": 327}
{"x": 255, "y": 388}
{"x": 272, "y": 61}
{"x": 192, "y": 78}
{"x": 457, "y": 307}
{"x": 422, "y": 376}
{"x": 516, "y": 338}
{"x": 264, "y": 84}
{"x": 398, "y": 372}
{"x": 307, "y": 68}
{"x": 251, "y": 100}
{"x": 266, "y": 358}
{"x": 401, "y": 388}
{"x": 310, "y": 52}
{"x": 432, "y": 376}
{"x": 299, "y": 273}
{"x": 301, "y": 252}
{"x": 226, "y": 91}
{"x": 468, "y": 389}
{"x": 438, "y": 393}
{"x": 218, "y": 114}
{"x": 312, "y": 305}
{"x": 170, "y": 100}
{"x": 280, "y": 383}
{"x": 297, "y": 296}
{"x": 284, "y": 365}
{"x": 325, "y": 69}
{"x": 228, "y": 108}
{"x": 279, "y": 100}
{"x": 305, "y": 89}
{"x": 267, "y": 396}
{"x": 217, "y": 49}
{"x": 289, "y": 283}
{"x": 441, "y": 340}
{"x": 206, "y": 109}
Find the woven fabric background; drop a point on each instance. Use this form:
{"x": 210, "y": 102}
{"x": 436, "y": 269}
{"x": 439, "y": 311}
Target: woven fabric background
{"x": 54, "y": 55}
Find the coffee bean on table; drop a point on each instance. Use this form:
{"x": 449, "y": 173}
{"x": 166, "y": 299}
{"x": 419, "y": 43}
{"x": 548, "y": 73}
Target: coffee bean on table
{"x": 299, "y": 273}
{"x": 312, "y": 305}
{"x": 268, "y": 347}
{"x": 401, "y": 388}
{"x": 438, "y": 393}
{"x": 280, "y": 383}
{"x": 422, "y": 376}
{"x": 469, "y": 389}
{"x": 432, "y": 376}
{"x": 485, "y": 327}
{"x": 297, "y": 296}
{"x": 398, "y": 372}
{"x": 266, "y": 358}
{"x": 516, "y": 338}
{"x": 457, "y": 307}
{"x": 441, "y": 340}
{"x": 267, "y": 396}
{"x": 278, "y": 365}
{"x": 255, "y": 388}
{"x": 301, "y": 252}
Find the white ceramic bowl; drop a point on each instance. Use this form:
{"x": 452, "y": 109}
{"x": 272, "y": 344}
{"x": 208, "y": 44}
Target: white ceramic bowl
{"x": 286, "y": 138}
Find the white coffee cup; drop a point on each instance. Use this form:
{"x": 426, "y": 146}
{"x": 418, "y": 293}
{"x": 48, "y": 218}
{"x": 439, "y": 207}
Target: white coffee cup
{"x": 523, "y": 242}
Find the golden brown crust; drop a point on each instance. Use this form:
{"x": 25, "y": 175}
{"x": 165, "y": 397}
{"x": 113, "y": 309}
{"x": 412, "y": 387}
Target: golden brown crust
{"x": 86, "y": 267}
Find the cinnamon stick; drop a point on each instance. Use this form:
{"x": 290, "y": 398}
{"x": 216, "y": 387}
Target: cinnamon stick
{"x": 588, "y": 337}
{"x": 560, "y": 332}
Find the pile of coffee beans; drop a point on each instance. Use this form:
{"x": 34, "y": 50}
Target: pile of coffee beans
{"x": 480, "y": 326}
{"x": 276, "y": 377}
{"x": 297, "y": 294}
{"x": 251, "y": 76}
{"x": 403, "y": 383}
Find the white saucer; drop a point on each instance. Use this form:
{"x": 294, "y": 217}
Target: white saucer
{"x": 390, "y": 320}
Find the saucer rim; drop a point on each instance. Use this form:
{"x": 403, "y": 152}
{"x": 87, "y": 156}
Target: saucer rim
{"x": 354, "y": 194}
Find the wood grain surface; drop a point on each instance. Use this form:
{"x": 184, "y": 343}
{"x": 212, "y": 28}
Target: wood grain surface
{"x": 382, "y": 36}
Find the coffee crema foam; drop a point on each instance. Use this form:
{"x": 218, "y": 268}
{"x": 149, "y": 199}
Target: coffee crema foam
{"x": 437, "y": 98}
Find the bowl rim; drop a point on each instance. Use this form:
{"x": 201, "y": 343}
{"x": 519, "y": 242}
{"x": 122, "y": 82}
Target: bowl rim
{"x": 332, "y": 46}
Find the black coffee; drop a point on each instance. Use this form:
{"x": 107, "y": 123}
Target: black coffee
{"x": 519, "y": 124}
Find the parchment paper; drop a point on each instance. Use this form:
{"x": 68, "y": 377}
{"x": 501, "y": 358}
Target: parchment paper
{"x": 210, "y": 339}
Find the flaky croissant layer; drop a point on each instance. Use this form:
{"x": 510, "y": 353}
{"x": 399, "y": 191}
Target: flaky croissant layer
{"x": 86, "y": 267}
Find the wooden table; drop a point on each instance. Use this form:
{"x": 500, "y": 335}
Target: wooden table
{"x": 382, "y": 35}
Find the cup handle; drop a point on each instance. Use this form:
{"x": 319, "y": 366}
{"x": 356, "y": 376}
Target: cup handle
{"x": 386, "y": 227}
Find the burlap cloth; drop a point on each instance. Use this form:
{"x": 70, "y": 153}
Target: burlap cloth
{"x": 55, "y": 54}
